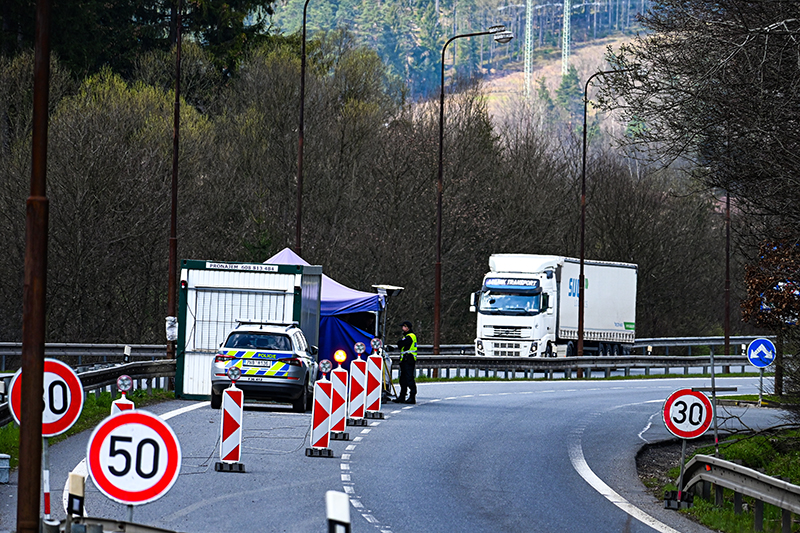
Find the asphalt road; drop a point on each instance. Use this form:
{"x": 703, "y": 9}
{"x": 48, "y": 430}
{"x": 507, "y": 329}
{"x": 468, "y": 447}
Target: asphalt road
{"x": 489, "y": 456}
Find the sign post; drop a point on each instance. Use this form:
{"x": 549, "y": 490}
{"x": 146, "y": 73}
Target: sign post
{"x": 374, "y": 386}
{"x": 133, "y": 458}
{"x": 321, "y": 415}
{"x": 687, "y": 414}
{"x": 230, "y": 446}
{"x": 339, "y": 398}
{"x": 124, "y": 384}
{"x": 63, "y": 403}
{"x": 357, "y": 391}
{"x": 761, "y": 353}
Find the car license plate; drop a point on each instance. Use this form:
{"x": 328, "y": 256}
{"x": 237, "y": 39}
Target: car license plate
{"x": 258, "y": 362}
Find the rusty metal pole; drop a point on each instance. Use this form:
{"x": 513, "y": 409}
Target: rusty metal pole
{"x": 298, "y": 229}
{"x": 437, "y": 281}
{"x": 33, "y": 305}
{"x": 173, "y": 225}
{"x": 581, "y": 275}
{"x": 727, "y": 319}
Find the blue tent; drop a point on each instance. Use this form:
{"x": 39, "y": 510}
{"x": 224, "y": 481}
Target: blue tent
{"x": 340, "y": 309}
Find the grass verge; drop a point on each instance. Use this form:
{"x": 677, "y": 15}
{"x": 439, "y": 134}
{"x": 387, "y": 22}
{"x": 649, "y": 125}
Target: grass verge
{"x": 775, "y": 453}
{"x": 95, "y": 409}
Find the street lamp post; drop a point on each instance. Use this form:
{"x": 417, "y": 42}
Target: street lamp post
{"x": 299, "y": 215}
{"x": 501, "y": 36}
{"x": 581, "y": 278}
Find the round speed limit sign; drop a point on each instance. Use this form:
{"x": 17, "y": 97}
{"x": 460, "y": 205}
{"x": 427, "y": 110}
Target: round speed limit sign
{"x": 687, "y": 413}
{"x": 63, "y": 397}
{"x": 133, "y": 457}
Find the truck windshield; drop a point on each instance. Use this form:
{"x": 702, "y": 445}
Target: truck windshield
{"x": 510, "y": 304}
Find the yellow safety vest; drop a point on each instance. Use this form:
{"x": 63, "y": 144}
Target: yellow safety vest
{"x": 413, "y": 349}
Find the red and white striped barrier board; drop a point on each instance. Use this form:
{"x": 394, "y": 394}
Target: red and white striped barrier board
{"x": 321, "y": 420}
{"x": 358, "y": 387}
{"x": 339, "y": 400}
{"x": 123, "y": 404}
{"x": 230, "y": 448}
{"x": 374, "y": 379}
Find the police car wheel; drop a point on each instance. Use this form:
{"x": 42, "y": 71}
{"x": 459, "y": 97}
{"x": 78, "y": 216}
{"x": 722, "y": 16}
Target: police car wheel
{"x": 216, "y": 400}
{"x": 300, "y": 405}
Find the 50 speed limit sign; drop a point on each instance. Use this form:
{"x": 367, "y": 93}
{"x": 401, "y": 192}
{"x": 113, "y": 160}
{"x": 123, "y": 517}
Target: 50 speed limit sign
{"x": 133, "y": 457}
{"x": 63, "y": 397}
{"x": 687, "y": 413}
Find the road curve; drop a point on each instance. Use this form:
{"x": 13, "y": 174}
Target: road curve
{"x": 484, "y": 456}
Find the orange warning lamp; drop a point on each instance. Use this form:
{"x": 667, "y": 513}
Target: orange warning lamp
{"x": 340, "y": 356}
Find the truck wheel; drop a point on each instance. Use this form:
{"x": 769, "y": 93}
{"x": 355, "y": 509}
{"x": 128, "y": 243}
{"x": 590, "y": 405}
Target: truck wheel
{"x": 216, "y": 400}
{"x": 616, "y": 350}
{"x": 301, "y": 403}
{"x": 570, "y": 349}
{"x": 602, "y": 350}
{"x": 548, "y": 351}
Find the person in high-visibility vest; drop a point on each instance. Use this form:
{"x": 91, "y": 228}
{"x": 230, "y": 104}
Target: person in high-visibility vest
{"x": 408, "y": 359}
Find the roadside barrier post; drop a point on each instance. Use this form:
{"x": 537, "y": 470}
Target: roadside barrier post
{"x": 339, "y": 398}
{"x": 124, "y": 384}
{"x": 230, "y": 447}
{"x": 337, "y": 506}
{"x": 357, "y": 392}
{"x": 374, "y": 388}
{"x": 321, "y": 415}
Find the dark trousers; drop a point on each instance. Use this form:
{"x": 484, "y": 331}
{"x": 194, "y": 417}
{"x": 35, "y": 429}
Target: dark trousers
{"x": 407, "y": 380}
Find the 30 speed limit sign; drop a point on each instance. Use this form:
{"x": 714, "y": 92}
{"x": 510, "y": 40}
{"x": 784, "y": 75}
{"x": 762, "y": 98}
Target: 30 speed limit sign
{"x": 687, "y": 413}
{"x": 133, "y": 457}
{"x": 63, "y": 397}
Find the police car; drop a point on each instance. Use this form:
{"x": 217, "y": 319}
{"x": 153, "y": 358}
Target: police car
{"x": 275, "y": 361}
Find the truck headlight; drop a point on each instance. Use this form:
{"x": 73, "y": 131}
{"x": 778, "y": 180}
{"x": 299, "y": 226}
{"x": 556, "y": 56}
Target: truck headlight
{"x": 534, "y": 347}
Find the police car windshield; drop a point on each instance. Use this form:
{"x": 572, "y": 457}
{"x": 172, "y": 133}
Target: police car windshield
{"x": 259, "y": 341}
{"x": 509, "y": 304}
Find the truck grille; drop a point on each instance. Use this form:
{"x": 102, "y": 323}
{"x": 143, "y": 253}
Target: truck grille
{"x": 506, "y": 349}
{"x": 506, "y": 331}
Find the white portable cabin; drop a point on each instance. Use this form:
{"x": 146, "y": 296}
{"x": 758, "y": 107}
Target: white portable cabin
{"x": 215, "y": 296}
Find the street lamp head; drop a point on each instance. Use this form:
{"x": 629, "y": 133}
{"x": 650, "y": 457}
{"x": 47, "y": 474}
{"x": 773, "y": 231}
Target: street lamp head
{"x": 503, "y": 36}
{"x": 497, "y": 28}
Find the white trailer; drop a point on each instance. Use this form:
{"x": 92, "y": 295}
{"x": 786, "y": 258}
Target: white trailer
{"x": 528, "y": 306}
{"x": 215, "y": 296}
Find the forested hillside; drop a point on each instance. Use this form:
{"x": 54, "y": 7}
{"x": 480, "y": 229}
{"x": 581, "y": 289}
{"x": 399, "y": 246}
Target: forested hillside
{"x": 409, "y": 35}
{"x": 511, "y": 181}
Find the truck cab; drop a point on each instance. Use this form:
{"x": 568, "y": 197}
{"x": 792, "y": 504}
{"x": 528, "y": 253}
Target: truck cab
{"x": 516, "y": 315}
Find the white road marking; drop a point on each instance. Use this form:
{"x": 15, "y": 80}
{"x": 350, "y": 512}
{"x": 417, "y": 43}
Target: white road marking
{"x": 582, "y": 468}
{"x": 82, "y": 470}
{"x": 182, "y": 410}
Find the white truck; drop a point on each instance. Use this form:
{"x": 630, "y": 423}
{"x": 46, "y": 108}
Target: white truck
{"x": 528, "y": 307}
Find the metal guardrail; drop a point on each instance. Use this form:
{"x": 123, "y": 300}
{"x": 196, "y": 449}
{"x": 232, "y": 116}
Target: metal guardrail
{"x": 95, "y": 380}
{"x": 640, "y": 344}
{"x": 744, "y": 481}
{"x": 474, "y": 365}
{"x": 79, "y": 354}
